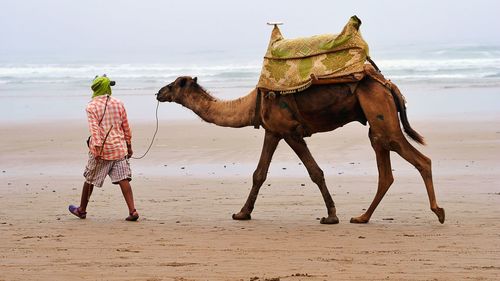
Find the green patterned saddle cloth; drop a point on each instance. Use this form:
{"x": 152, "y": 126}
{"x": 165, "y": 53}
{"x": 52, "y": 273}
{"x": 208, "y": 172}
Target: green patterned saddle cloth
{"x": 289, "y": 63}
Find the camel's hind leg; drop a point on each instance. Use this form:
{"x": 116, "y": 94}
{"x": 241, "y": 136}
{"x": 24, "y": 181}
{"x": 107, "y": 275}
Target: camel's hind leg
{"x": 381, "y": 112}
{"x": 423, "y": 165}
{"x": 385, "y": 178}
{"x": 259, "y": 176}
{"x": 317, "y": 176}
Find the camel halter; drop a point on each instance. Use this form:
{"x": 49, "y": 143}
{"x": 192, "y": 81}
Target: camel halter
{"x": 154, "y": 135}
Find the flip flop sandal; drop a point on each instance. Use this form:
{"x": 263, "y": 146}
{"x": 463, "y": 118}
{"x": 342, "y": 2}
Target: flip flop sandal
{"x": 133, "y": 216}
{"x": 76, "y": 211}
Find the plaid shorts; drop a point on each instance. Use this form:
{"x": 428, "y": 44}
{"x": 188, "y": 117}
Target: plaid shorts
{"x": 96, "y": 171}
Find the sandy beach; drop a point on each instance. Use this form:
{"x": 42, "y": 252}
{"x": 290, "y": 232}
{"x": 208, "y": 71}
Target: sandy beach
{"x": 197, "y": 175}
{"x": 444, "y": 57}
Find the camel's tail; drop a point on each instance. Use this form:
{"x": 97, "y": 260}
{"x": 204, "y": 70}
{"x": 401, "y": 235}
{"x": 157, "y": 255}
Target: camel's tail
{"x": 401, "y": 105}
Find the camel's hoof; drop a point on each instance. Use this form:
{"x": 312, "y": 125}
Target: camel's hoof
{"x": 440, "y": 213}
{"x": 359, "y": 219}
{"x": 329, "y": 220}
{"x": 242, "y": 216}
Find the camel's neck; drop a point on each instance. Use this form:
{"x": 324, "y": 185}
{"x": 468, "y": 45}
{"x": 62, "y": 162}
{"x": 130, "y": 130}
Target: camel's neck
{"x": 233, "y": 113}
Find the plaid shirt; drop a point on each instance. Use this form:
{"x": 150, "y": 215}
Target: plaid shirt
{"x": 115, "y": 122}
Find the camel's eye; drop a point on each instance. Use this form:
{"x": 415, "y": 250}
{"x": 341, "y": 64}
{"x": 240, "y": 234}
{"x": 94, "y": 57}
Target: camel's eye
{"x": 182, "y": 82}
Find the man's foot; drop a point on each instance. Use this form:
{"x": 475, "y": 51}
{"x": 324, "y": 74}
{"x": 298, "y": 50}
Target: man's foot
{"x": 76, "y": 211}
{"x": 133, "y": 216}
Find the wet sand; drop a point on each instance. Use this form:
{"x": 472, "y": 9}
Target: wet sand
{"x": 197, "y": 175}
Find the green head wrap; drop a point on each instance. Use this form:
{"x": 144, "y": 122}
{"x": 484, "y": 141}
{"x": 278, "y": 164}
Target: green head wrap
{"x": 101, "y": 86}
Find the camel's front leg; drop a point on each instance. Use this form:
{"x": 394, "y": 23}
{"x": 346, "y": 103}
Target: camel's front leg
{"x": 317, "y": 176}
{"x": 259, "y": 176}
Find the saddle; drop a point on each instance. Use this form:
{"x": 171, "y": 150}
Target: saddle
{"x": 292, "y": 65}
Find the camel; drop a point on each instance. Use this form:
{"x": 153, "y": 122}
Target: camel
{"x": 322, "y": 108}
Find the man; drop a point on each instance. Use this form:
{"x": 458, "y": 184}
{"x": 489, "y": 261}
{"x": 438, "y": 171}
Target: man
{"x": 110, "y": 147}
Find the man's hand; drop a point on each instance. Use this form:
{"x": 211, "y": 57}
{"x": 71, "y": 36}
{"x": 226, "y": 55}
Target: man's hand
{"x": 129, "y": 150}
{"x": 97, "y": 152}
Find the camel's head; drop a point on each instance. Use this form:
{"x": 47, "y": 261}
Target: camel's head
{"x": 175, "y": 91}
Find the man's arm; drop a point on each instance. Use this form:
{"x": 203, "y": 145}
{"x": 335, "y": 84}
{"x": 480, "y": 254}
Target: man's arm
{"x": 95, "y": 139}
{"x": 127, "y": 132}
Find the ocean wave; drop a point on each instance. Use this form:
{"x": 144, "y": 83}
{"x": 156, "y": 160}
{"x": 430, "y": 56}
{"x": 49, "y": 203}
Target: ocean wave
{"x": 140, "y": 75}
{"x": 494, "y": 75}
{"x": 467, "y": 52}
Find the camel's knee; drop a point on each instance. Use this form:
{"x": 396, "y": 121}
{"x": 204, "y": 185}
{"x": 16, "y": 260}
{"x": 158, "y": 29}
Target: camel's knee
{"x": 389, "y": 179}
{"x": 424, "y": 165}
{"x": 385, "y": 179}
{"x": 375, "y": 138}
{"x": 383, "y": 141}
{"x": 317, "y": 176}
{"x": 259, "y": 178}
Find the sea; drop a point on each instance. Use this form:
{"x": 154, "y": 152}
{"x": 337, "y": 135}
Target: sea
{"x": 437, "y": 81}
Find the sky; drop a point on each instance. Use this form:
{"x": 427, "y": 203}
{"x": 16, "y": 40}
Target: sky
{"x": 163, "y": 31}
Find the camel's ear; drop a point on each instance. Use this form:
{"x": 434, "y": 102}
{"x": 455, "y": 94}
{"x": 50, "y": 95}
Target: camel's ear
{"x": 195, "y": 79}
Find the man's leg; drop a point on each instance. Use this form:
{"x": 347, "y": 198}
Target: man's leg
{"x": 86, "y": 192}
{"x": 81, "y": 211}
{"x": 121, "y": 174}
{"x": 95, "y": 172}
{"x": 127, "y": 194}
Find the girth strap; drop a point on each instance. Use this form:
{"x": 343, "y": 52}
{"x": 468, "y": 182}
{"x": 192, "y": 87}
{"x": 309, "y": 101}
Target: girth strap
{"x": 256, "y": 118}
